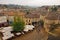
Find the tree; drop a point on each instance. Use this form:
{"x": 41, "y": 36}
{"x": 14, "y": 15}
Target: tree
{"x": 18, "y": 24}
{"x": 54, "y": 8}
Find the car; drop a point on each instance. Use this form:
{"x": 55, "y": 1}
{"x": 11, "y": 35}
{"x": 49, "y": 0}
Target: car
{"x": 28, "y": 27}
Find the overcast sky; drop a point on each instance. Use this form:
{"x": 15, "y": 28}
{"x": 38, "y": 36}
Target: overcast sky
{"x": 31, "y": 2}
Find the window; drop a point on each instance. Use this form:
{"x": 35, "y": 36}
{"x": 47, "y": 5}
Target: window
{"x": 29, "y": 20}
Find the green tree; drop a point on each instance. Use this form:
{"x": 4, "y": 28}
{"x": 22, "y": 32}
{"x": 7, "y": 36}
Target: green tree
{"x": 18, "y": 24}
{"x": 54, "y": 8}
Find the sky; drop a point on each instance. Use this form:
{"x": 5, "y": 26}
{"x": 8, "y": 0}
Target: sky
{"x": 31, "y": 2}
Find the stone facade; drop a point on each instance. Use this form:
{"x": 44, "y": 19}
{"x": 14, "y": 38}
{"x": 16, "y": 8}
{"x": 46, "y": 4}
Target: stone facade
{"x": 28, "y": 18}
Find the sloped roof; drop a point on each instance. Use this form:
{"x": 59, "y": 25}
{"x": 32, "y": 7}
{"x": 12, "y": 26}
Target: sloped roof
{"x": 53, "y": 16}
{"x": 11, "y": 13}
{"x": 32, "y": 16}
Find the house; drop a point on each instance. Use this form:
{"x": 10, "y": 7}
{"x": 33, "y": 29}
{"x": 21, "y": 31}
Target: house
{"x": 8, "y": 15}
{"x": 31, "y": 18}
{"x": 3, "y": 20}
{"x": 28, "y": 18}
{"x": 52, "y": 17}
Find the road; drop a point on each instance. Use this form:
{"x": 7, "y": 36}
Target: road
{"x": 34, "y": 35}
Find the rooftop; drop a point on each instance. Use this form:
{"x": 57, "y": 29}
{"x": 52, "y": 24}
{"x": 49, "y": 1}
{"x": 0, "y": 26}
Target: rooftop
{"x": 32, "y": 16}
{"x": 53, "y": 16}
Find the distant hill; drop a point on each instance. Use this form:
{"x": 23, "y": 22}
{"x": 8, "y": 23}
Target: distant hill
{"x": 15, "y": 6}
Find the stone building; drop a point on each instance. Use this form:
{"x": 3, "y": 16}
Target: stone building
{"x": 31, "y": 18}
{"x": 28, "y": 18}
{"x": 52, "y": 17}
{"x": 10, "y": 15}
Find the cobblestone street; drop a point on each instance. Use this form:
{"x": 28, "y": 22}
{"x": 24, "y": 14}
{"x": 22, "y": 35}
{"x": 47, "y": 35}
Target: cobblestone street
{"x": 34, "y": 35}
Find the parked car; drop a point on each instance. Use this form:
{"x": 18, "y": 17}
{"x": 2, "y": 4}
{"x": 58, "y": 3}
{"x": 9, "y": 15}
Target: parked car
{"x": 28, "y": 27}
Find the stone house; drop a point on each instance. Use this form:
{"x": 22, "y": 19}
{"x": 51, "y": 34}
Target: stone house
{"x": 31, "y": 18}
{"x": 28, "y": 18}
{"x": 52, "y": 17}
